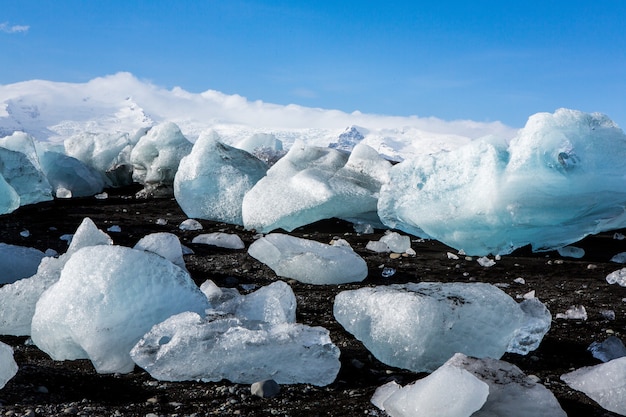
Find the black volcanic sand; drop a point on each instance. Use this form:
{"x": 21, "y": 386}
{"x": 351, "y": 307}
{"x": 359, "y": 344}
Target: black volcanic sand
{"x": 45, "y": 387}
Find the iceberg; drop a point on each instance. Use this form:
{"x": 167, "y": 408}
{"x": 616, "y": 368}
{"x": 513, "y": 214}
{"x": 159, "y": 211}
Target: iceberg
{"x": 309, "y": 261}
{"x": 212, "y": 180}
{"x": 18, "y": 300}
{"x": 155, "y": 159}
{"x": 559, "y": 180}
{"x": 420, "y": 326}
{"x": 67, "y": 173}
{"x": 313, "y": 183}
{"x": 105, "y": 300}
{"x": 462, "y": 381}
{"x": 189, "y": 347}
{"x": 17, "y": 262}
{"x": 8, "y": 366}
{"x": 26, "y": 179}
{"x": 603, "y": 383}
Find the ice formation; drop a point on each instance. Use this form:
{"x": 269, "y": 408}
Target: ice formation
{"x": 105, "y": 300}
{"x": 18, "y": 300}
{"x": 402, "y": 324}
{"x": 165, "y": 244}
{"x": 309, "y": 261}
{"x": 618, "y": 277}
{"x": 155, "y": 159}
{"x": 190, "y": 224}
{"x": 603, "y": 383}
{"x": 17, "y": 262}
{"x": 559, "y": 180}
{"x": 465, "y": 386}
{"x": 67, "y": 173}
{"x": 8, "y": 366}
{"x": 219, "y": 239}
{"x": 312, "y": 183}
{"x": 188, "y": 347}
{"x": 609, "y": 349}
{"x": 23, "y": 178}
{"x": 212, "y": 180}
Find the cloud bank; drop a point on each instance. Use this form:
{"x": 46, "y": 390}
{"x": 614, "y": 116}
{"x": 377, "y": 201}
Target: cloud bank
{"x": 6, "y": 28}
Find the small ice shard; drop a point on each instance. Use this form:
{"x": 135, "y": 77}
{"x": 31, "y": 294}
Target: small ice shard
{"x": 485, "y": 262}
{"x": 106, "y": 299}
{"x": 114, "y": 229}
{"x": 571, "y": 252}
{"x": 536, "y": 323}
{"x": 212, "y": 180}
{"x": 618, "y": 277}
{"x": 164, "y": 244}
{"x": 519, "y": 280}
{"x": 402, "y": 324}
{"x": 8, "y": 366}
{"x": 377, "y": 246}
{"x": 17, "y": 262}
{"x": 363, "y": 228}
{"x": 388, "y": 272}
{"x": 611, "y": 348}
{"x": 603, "y": 383}
{"x": 274, "y": 304}
{"x": 188, "y": 347}
{"x": 221, "y": 240}
{"x": 396, "y": 242}
{"x": 190, "y": 224}
{"x": 452, "y": 256}
{"x": 573, "y": 313}
{"x": 620, "y": 258}
{"x": 101, "y": 196}
{"x": 309, "y": 261}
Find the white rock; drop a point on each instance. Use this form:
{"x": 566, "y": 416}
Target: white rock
{"x": 187, "y": 347}
{"x": 308, "y": 261}
{"x": 106, "y": 299}
{"x": 219, "y": 239}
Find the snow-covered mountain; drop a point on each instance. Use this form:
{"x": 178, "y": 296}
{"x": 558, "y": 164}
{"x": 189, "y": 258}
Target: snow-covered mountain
{"x": 52, "y": 111}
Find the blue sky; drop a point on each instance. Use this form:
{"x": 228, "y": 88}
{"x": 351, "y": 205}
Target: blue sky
{"x": 479, "y": 60}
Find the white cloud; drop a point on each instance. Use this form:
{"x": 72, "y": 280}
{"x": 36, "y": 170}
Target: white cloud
{"x": 6, "y": 28}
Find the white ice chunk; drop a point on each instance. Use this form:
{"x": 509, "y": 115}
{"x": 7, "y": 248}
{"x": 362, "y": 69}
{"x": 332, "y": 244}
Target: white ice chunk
{"x": 620, "y": 258}
{"x": 106, "y": 299}
{"x": 156, "y": 157}
{"x": 571, "y": 252}
{"x": 449, "y": 391}
{"x": 478, "y": 197}
{"x": 8, "y": 366}
{"x": 573, "y": 313}
{"x": 274, "y": 304}
{"x": 396, "y": 242}
{"x": 536, "y": 323}
{"x": 420, "y": 326}
{"x": 190, "y": 224}
{"x": 212, "y": 180}
{"x": 309, "y": 261}
{"x": 618, "y": 277}
{"x": 165, "y": 244}
{"x": 9, "y": 198}
{"x": 602, "y": 383}
{"x": 311, "y": 183}
{"x": 609, "y": 349}
{"x": 485, "y": 262}
{"x": 17, "y": 262}
{"x": 18, "y": 300}
{"x": 377, "y": 246}
{"x": 26, "y": 179}
{"x": 70, "y": 174}
{"x": 383, "y": 392}
{"x": 187, "y": 347}
{"x": 219, "y": 239}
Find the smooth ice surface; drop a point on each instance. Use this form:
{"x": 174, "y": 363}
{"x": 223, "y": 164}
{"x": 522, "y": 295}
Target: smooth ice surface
{"x": 190, "y": 224}
{"x": 222, "y": 240}
{"x": 274, "y": 304}
{"x": 17, "y": 262}
{"x": 26, "y": 179}
{"x": 383, "y": 392}
{"x": 309, "y": 261}
{"x": 212, "y": 180}
{"x": 8, "y": 366}
{"x": 107, "y": 153}
{"x": 67, "y": 173}
{"x": 312, "y": 183}
{"x": 571, "y": 252}
{"x": 165, "y": 244}
{"x": 188, "y": 347}
{"x": 449, "y": 391}
{"x": 9, "y": 198}
{"x": 420, "y": 326}
{"x": 604, "y": 383}
{"x": 536, "y": 324}
{"x": 106, "y": 299}
{"x": 611, "y": 348}
{"x": 156, "y": 157}
{"x": 18, "y": 300}
{"x": 560, "y": 179}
